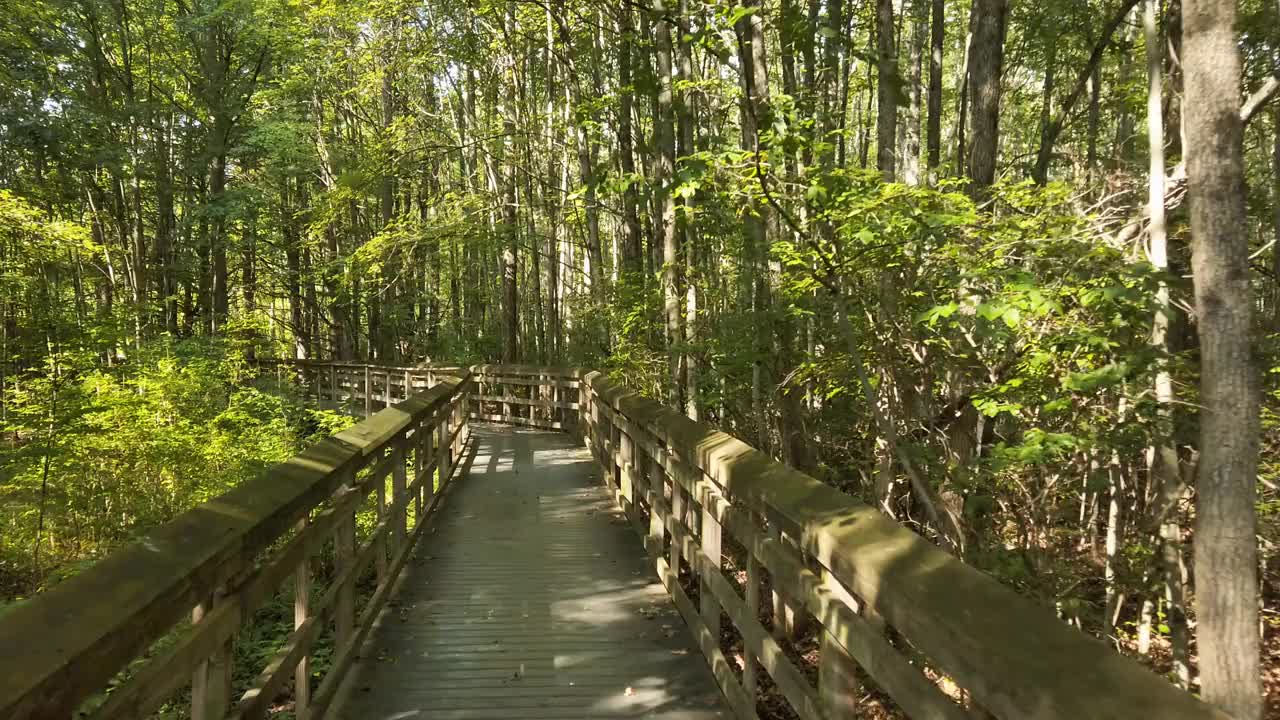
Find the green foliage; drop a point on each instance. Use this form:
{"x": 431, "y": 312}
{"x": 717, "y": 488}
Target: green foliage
{"x": 111, "y": 452}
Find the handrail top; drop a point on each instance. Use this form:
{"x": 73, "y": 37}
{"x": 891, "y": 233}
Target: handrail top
{"x": 485, "y": 368}
{"x": 999, "y": 644}
{"x": 426, "y": 366}
{"x": 77, "y": 635}
{"x": 541, "y": 370}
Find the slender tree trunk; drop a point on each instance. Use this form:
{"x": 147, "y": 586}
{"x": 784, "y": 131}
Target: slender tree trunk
{"x": 1094, "y": 120}
{"x": 962, "y": 101}
{"x": 664, "y": 130}
{"x": 632, "y": 263}
{"x": 217, "y": 233}
{"x": 911, "y": 130}
{"x": 586, "y": 159}
{"x": 1164, "y": 465}
{"x": 685, "y": 125}
{"x": 937, "y": 40}
{"x": 985, "y": 71}
{"x": 1046, "y": 92}
{"x": 886, "y": 89}
{"x": 1226, "y": 552}
{"x": 1275, "y": 213}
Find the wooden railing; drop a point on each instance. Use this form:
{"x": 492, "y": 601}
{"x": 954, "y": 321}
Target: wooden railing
{"x": 351, "y": 385}
{"x": 221, "y": 561}
{"x": 886, "y": 607}
{"x": 539, "y": 397}
{"x": 940, "y": 638}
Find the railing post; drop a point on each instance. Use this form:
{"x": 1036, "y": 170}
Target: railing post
{"x": 380, "y": 558}
{"x": 443, "y": 462}
{"x": 418, "y": 462}
{"x": 652, "y": 474}
{"x": 839, "y": 688}
{"x": 301, "y": 610}
{"x": 788, "y": 617}
{"x": 427, "y": 449}
{"x": 750, "y": 665}
{"x": 333, "y": 385}
{"x": 344, "y": 617}
{"x": 397, "y": 496}
{"x": 211, "y": 682}
{"x": 460, "y": 421}
{"x": 678, "y": 513}
{"x": 368, "y": 391}
{"x": 408, "y": 385}
{"x": 386, "y": 390}
{"x": 710, "y": 533}
{"x": 626, "y": 456}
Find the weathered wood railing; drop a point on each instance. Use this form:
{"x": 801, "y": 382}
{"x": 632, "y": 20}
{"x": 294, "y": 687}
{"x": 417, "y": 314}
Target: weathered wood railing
{"x": 351, "y": 385}
{"x": 887, "y": 608}
{"x": 858, "y": 576}
{"x": 60, "y": 651}
{"x": 539, "y": 397}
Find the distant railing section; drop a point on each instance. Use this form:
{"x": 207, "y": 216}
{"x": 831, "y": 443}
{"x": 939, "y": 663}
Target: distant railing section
{"x": 531, "y": 396}
{"x": 887, "y": 608}
{"x": 539, "y": 397}
{"x": 351, "y": 385}
{"x": 87, "y": 647}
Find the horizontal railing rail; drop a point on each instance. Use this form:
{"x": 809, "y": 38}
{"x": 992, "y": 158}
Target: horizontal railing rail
{"x": 226, "y": 558}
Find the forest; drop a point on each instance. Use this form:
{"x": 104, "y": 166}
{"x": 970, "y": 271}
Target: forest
{"x": 1008, "y": 271}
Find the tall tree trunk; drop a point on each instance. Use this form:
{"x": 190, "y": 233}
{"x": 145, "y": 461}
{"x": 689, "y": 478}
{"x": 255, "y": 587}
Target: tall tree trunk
{"x": 664, "y": 129}
{"x": 937, "y": 41}
{"x": 687, "y": 147}
{"x": 911, "y": 130}
{"x": 986, "y": 65}
{"x": 166, "y": 226}
{"x": 1046, "y": 91}
{"x": 583, "y": 121}
{"x": 1095, "y": 114}
{"x": 886, "y": 89}
{"x": 1275, "y": 213}
{"x": 509, "y": 163}
{"x": 217, "y": 232}
{"x": 293, "y": 276}
{"x": 632, "y": 263}
{"x": 1164, "y": 464}
{"x": 962, "y": 97}
{"x": 1226, "y": 552}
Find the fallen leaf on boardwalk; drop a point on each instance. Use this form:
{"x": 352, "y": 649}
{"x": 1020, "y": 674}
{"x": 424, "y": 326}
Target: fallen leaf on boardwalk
{"x": 630, "y": 692}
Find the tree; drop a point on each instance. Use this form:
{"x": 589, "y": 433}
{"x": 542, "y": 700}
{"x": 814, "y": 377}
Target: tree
{"x": 888, "y": 89}
{"x": 1226, "y": 525}
{"x": 986, "y": 64}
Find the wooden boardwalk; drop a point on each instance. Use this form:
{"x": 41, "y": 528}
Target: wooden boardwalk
{"x": 530, "y": 597}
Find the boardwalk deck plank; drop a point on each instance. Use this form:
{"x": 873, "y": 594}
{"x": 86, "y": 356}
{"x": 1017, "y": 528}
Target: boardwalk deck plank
{"x": 530, "y": 599}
